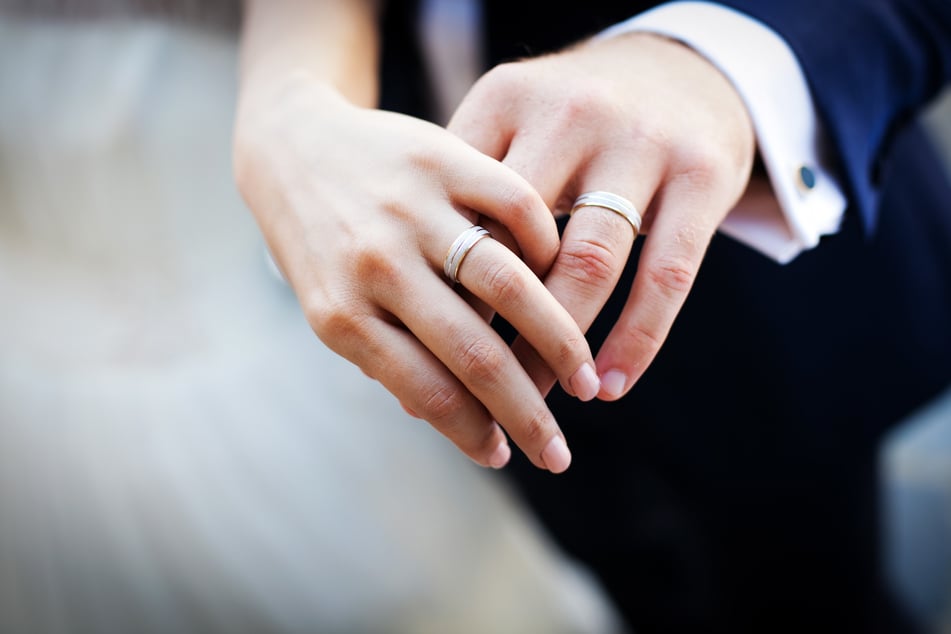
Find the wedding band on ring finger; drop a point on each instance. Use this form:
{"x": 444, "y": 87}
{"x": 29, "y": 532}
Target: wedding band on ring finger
{"x": 460, "y": 249}
{"x": 612, "y": 202}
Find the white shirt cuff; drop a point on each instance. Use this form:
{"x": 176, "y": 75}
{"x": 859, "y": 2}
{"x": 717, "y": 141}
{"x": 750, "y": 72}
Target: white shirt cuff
{"x": 806, "y": 201}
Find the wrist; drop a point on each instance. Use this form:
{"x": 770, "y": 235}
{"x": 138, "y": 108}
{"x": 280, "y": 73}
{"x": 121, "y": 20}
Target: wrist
{"x": 273, "y": 114}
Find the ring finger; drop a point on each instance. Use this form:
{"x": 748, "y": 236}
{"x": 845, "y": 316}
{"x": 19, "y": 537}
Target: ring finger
{"x": 483, "y": 363}
{"x": 595, "y": 247}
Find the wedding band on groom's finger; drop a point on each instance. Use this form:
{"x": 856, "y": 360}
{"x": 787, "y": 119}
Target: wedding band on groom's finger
{"x": 460, "y": 249}
{"x": 612, "y": 202}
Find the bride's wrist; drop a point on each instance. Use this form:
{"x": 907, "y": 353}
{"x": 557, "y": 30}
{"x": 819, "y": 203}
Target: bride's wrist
{"x": 264, "y": 93}
{"x": 269, "y": 111}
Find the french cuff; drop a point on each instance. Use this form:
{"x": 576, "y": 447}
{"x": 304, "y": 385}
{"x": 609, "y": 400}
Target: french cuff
{"x": 805, "y": 200}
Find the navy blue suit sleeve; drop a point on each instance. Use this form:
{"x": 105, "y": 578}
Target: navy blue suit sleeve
{"x": 871, "y": 66}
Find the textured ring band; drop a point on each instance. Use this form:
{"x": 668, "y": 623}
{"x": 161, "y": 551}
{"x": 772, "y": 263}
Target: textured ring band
{"x": 612, "y": 202}
{"x": 460, "y": 249}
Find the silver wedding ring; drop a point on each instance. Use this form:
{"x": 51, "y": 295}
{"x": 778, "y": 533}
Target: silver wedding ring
{"x": 612, "y": 202}
{"x": 460, "y": 249}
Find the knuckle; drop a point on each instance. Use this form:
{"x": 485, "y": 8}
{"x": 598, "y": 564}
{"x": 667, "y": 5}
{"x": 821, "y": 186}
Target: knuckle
{"x": 505, "y": 285}
{"x": 521, "y": 202}
{"x": 421, "y": 158}
{"x": 592, "y": 100}
{"x": 638, "y": 129}
{"x": 374, "y": 263}
{"x": 481, "y": 362}
{"x": 568, "y": 350}
{"x": 641, "y": 339}
{"x": 588, "y": 261}
{"x": 443, "y": 406}
{"x": 537, "y": 428}
{"x": 702, "y": 168}
{"x": 499, "y": 84}
{"x": 672, "y": 275}
{"x": 335, "y": 321}
{"x": 651, "y": 135}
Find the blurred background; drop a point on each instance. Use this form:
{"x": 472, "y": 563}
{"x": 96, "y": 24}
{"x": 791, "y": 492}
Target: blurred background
{"x": 178, "y": 453}
{"x": 916, "y": 475}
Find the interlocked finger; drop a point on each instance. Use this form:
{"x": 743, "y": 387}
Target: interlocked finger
{"x": 481, "y": 361}
{"x": 423, "y": 385}
{"x": 498, "y": 278}
{"x": 595, "y": 246}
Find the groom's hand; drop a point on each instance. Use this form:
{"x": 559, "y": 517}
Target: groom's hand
{"x": 642, "y": 117}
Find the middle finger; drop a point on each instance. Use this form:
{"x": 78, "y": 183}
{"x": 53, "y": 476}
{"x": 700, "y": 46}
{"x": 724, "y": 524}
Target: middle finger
{"x": 483, "y": 363}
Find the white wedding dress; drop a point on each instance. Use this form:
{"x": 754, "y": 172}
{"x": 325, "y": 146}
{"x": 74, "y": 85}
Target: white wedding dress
{"x": 178, "y": 453}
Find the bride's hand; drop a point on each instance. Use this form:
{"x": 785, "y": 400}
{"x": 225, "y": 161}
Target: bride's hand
{"x": 359, "y": 208}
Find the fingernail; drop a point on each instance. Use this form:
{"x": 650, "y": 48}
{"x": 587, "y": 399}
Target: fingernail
{"x": 556, "y": 455}
{"x": 500, "y": 457}
{"x": 613, "y": 383}
{"x": 585, "y": 382}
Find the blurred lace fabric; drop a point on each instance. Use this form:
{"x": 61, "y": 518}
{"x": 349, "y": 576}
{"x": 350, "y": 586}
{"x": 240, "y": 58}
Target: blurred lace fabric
{"x": 177, "y": 451}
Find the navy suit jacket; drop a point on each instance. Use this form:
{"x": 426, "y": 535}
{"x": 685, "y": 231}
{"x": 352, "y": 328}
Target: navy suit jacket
{"x": 735, "y": 487}
{"x": 871, "y": 64}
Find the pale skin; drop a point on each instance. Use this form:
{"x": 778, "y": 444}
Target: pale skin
{"x": 638, "y": 115}
{"x": 359, "y": 207}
